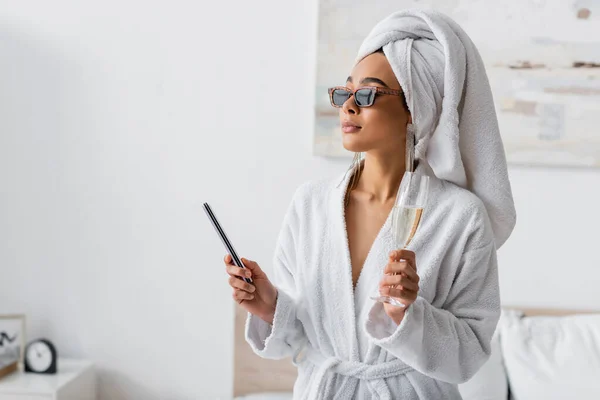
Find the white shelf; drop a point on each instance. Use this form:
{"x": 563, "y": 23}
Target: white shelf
{"x": 75, "y": 379}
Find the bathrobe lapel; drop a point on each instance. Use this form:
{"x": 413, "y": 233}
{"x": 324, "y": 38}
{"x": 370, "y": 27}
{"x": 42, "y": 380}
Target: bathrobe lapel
{"x": 339, "y": 275}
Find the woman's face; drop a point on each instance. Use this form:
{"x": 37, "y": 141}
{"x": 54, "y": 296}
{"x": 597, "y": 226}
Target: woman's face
{"x": 382, "y": 126}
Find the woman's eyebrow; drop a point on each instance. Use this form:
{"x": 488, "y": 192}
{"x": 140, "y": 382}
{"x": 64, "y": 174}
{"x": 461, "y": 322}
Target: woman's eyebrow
{"x": 369, "y": 79}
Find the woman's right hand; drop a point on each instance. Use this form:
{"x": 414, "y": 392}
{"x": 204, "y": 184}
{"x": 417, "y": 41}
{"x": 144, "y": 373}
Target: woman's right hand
{"x": 258, "y": 298}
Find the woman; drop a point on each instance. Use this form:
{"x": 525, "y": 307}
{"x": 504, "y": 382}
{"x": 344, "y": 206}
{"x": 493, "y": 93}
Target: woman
{"x": 333, "y": 251}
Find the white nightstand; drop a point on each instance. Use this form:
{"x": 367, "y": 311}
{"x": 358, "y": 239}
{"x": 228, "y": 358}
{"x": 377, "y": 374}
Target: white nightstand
{"x": 75, "y": 380}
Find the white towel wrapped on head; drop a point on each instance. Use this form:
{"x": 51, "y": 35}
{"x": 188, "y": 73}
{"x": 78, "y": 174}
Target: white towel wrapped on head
{"x": 451, "y": 103}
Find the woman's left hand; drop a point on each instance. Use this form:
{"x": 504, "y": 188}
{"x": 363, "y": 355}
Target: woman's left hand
{"x": 403, "y": 286}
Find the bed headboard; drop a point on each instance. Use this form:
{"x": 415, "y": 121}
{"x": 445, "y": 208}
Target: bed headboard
{"x": 549, "y": 312}
{"x": 253, "y": 374}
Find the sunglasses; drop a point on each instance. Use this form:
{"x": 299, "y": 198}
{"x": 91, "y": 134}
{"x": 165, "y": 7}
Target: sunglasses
{"x": 363, "y": 96}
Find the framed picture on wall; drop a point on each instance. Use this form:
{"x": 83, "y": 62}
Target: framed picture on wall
{"x": 546, "y": 84}
{"x": 12, "y": 340}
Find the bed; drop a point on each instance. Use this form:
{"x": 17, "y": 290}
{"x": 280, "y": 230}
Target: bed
{"x": 260, "y": 379}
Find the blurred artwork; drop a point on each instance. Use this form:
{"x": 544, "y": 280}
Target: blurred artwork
{"x": 12, "y": 337}
{"x": 542, "y": 59}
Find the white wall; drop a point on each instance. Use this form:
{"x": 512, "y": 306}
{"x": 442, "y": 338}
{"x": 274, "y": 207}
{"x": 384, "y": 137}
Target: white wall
{"x": 552, "y": 258}
{"x": 118, "y": 119}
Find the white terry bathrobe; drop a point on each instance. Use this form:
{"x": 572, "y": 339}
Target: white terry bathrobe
{"x": 343, "y": 343}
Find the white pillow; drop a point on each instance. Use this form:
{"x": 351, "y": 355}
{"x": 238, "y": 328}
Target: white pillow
{"x": 490, "y": 382}
{"x": 552, "y": 357}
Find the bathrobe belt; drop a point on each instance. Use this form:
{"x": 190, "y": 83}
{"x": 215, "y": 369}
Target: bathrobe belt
{"x": 353, "y": 369}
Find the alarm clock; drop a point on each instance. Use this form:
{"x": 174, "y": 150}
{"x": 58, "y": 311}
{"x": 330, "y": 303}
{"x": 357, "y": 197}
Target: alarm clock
{"x": 40, "y": 357}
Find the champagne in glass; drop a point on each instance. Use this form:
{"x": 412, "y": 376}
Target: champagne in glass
{"x": 405, "y": 221}
{"x": 406, "y": 216}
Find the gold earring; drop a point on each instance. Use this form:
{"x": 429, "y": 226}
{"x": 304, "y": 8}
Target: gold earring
{"x": 354, "y": 166}
{"x": 356, "y": 160}
{"x": 410, "y": 147}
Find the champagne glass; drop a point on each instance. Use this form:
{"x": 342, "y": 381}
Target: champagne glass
{"x": 406, "y": 216}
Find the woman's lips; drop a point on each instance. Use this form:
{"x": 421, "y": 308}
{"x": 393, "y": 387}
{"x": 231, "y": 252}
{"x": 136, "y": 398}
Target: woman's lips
{"x": 350, "y": 127}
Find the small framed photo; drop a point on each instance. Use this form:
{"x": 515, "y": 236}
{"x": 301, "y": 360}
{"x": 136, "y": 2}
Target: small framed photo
{"x": 12, "y": 339}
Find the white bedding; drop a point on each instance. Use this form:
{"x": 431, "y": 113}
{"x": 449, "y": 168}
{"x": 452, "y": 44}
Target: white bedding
{"x": 553, "y": 358}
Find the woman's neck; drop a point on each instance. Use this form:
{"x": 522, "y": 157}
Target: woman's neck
{"x": 381, "y": 177}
